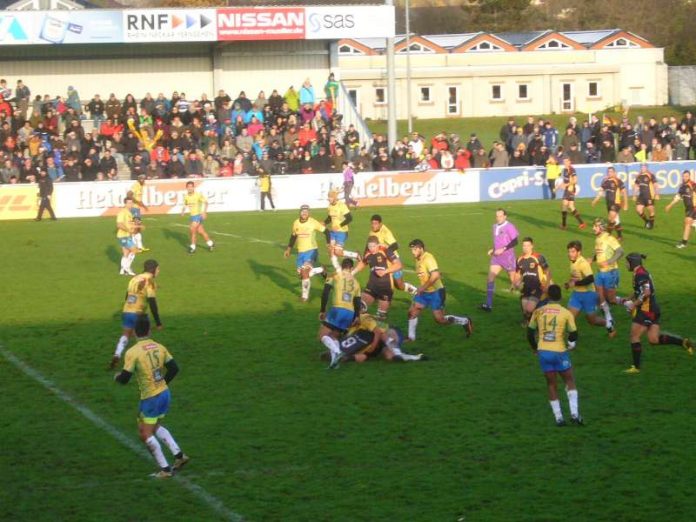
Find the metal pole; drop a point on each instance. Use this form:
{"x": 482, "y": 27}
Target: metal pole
{"x": 391, "y": 90}
{"x": 408, "y": 66}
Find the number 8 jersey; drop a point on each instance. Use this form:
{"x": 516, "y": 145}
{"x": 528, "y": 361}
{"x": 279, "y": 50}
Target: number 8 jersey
{"x": 146, "y": 359}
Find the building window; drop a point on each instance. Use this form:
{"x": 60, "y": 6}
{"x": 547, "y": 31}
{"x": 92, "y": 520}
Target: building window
{"x": 522, "y": 91}
{"x": 416, "y": 48}
{"x": 553, "y": 45}
{"x": 353, "y": 95}
{"x": 380, "y": 95}
{"x": 622, "y": 43}
{"x": 347, "y": 49}
{"x": 425, "y": 95}
{"x": 593, "y": 89}
{"x": 485, "y": 46}
{"x": 496, "y": 92}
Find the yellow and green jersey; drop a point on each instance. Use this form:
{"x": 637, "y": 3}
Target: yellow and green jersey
{"x": 305, "y": 231}
{"x": 425, "y": 266}
{"x": 580, "y": 269}
{"x": 124, "y": 217}
{"x": 345, "y": 289}
{"x": 337, "y": 213}
{"x": 195, "y": 202}
{"x": 146, "y": 359}
{"x": 140, "y": 288}
{"x": 552, "y": 321}
{"x": 606, "y": 246}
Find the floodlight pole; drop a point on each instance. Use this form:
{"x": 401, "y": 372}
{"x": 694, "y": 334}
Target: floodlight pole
{"x": 408, "y": 66}
{"x": 391, "y": 90}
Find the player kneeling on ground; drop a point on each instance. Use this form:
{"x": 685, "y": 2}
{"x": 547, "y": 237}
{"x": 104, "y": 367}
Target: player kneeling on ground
{"x": 155, "y": 368}
{"x": 552, "y": 321}
{"x": 344, "y": 310}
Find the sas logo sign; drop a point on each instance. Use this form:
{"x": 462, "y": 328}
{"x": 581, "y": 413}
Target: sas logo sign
{"x": 11, "y": 31}
{"x": 318, "y": 22}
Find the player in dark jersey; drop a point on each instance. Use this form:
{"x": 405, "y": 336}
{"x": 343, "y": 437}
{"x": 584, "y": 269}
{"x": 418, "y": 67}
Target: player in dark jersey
{"x": 534, "y": 278}
{"x": 645, "y": 194}
{"x": 383, "y": 263}
{"x": 370, "y": 339}
{"x": 569, "y": 185}
{"x": 646, "y": 313}
{"x": 687, "y": 193}
{"x": 614, "y": 191}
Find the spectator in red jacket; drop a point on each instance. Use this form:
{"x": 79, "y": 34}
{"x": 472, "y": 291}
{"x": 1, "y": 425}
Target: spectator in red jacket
{"x": 463, "y": 159}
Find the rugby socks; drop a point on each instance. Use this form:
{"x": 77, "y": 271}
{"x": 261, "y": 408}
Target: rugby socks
{"x": 193, "y": 247}
{"x": 564, "y": 218}
{"x": 393, "y": 345}
{"x": 670, "y": 339}
{"x": 154, "y": 446}
{"x": 556, "y": 408}
{"x": 490, "y": 288}
{"x": 331, "y": 344}
{"x": 412, "y": 323}
{"x": 607, "y": 313}
{"x": 316, "y": 270}
{"x": 642, "y": 216}
{"x": 350, "y": 254}
{"x": 576, "y": 215}
{"x": 121, "y": 345}
{"x": 129, "y": 261}
{"x": 209, "y": 243}
{"x": 573, "y": 402}
{"x": 305, "y": 288}
{"x": 165, "y": 436}
{"x": 124, "y": 262}
{"x": 138, "y": 238}
{"x": 463, "y": 321}
{"x": 636, "y": 350}
{"x": 381, "y": 315}
{"x": 335, "y": 263}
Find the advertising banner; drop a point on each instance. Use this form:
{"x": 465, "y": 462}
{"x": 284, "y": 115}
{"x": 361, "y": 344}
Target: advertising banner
{"x": 18, "y": 201}
{"x": 16, "y": 28}
{"x": 60, "y": 27}
{"x": 349, "y": 21}
{"x": 169, "y": 25}
{"x": 261, "y": 23}
{"x": 517, "y": 183}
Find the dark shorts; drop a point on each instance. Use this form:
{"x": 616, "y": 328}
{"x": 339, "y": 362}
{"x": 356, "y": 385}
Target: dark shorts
{"x": 379, "y": 292}
{"x": 647, "y": 318}
{"x": 690, "y": 213}
{"x": 531, "y": 293}
{"x": 646, "y": 201}
{"x": 568, "y": 196}
{"x": 613, "y": 207}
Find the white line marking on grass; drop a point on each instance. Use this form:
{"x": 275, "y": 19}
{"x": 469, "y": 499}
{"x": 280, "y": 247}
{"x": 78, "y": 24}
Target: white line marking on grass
{"x": 212, "y": 501}
{"x": 236, "y": 236}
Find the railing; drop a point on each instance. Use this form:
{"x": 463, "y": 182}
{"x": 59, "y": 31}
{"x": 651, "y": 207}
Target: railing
{"x": 350, "y": 113}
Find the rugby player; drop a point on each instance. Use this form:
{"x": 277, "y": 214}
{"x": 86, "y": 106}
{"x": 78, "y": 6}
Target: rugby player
{"x": 534, "y": 278}
{"x": 686, "y": 193}
{"x": 569, "y": 185}
{"x": 140, "y": 295}
{"x": 431, "y": 293}
{"x": 387, "y": 239}
{"x": 124, "y": 234}
{"x": 197, "y": 204}
{"x": 614, "y": 191}
{"x": 337, "y": 220}
{"x": 369, "y": 339}
{"x": 644, "y": 195}
{"x": 584, "y": 297}
{"x": 505, "y": 238}
{"x": 303, "y": 237}
{"x": 154, "y": 368}
{"x": 608, "y": 251}
{"x": 646, "y": 313}
{"x": 383, "y": 263}
{"x": 136, "y": 192}
{"x": 344, "y": 310}
{"x": 552, "y": 321}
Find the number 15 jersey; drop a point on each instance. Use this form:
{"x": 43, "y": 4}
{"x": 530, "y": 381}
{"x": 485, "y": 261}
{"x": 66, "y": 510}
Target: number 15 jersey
{"x": 146, "y": 359}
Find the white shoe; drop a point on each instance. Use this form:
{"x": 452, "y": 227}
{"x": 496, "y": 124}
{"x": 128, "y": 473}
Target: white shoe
{"x": 130, "y": 272}
{"x": 681, "y": 245}
{"x": 335, "y": 360}
{"x": 123, "y": 272}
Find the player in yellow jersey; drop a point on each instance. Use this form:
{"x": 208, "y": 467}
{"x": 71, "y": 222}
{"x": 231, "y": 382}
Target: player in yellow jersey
{"x": 430, "y": 293}
{"x": 154, "y": 368}
{"x": 124, "y": 235}
{"x": 552, "y": 321}
{"x": 136, "y": 192}
{"x": 303, "y": 237}
{"x": 608, "y": 251}
{"x": 337, "y": 221}
{"x": 141, "y": 295}
{"x": 197, "y": 204}
{"x": 584, "y": 297}
{"x": 344, "y": 310}
{"x": 387, "y": 240}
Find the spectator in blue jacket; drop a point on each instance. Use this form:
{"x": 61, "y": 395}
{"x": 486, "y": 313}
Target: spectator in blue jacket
{"x": 307, "y": 93}
{"x": 550, "y": 137}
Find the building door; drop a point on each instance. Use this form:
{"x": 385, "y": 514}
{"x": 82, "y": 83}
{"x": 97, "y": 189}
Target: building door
{"x": 453, "y": 101}
{"x": 567, "y": 99}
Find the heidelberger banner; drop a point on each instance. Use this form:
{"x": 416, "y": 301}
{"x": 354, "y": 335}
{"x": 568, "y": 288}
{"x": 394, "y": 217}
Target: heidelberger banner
{"x": 105, "y": 198}
{"x": 515, "y": 183}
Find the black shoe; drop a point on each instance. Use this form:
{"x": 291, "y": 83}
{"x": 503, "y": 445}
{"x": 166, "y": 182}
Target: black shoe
{"x": 577, "y": 421}
{"x": 423, "y": 357}
{"x": 486, "y": 308}
{"x": 560, "y": 423}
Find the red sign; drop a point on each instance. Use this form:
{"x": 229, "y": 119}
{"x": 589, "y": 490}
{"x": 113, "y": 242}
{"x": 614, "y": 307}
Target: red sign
{"x": 263, "y": 23}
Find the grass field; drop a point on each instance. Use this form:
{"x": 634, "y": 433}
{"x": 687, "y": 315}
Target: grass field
{"x": 274, "y": 436}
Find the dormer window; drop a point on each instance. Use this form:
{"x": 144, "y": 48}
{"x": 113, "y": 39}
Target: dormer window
{"x": 348, "y": 50}
{"x": 553, "y": 45}
{"x": 486, "y": 46}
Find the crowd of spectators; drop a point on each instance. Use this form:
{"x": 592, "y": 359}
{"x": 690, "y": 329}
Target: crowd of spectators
{"x": 297, "y": 132}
